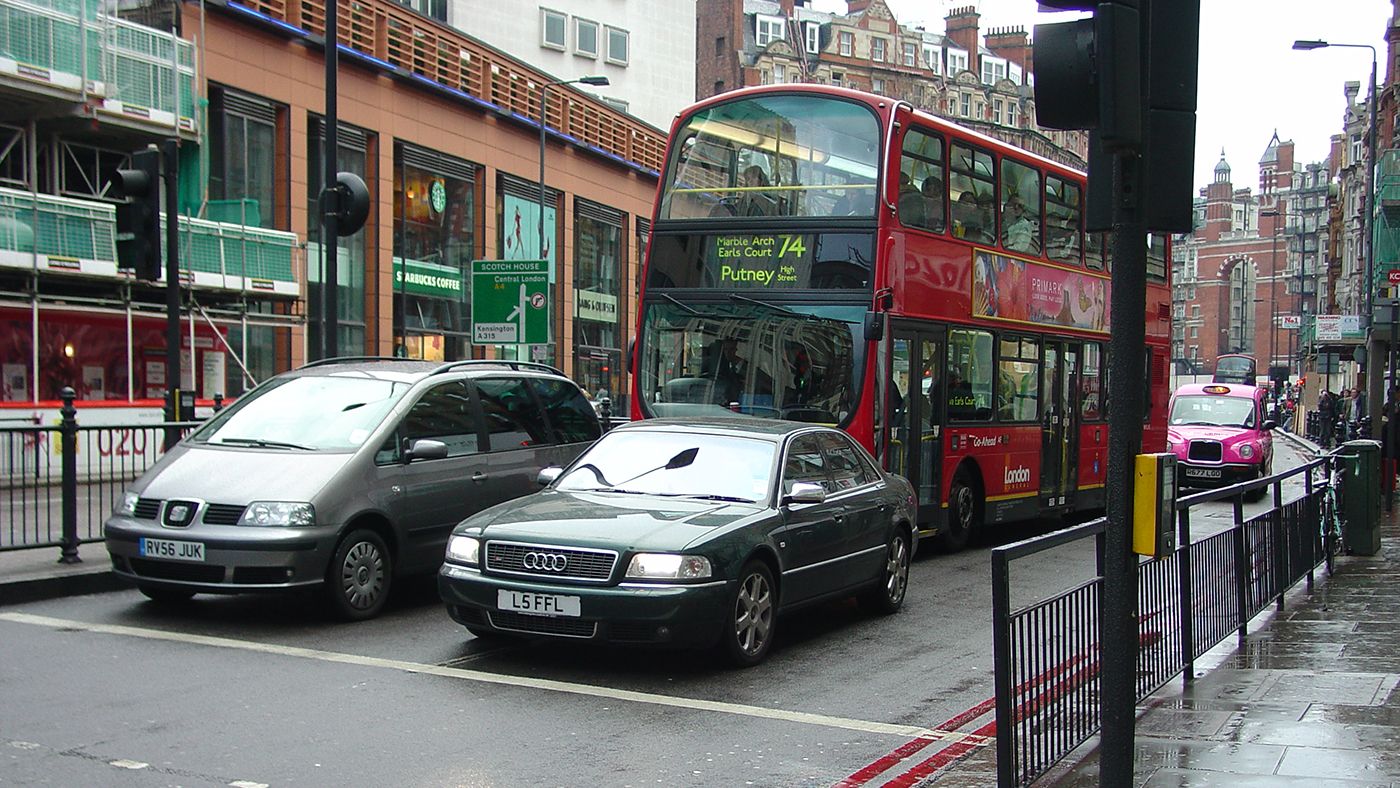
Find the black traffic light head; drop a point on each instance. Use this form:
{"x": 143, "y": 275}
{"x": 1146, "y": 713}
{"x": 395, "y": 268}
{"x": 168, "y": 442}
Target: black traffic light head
{"x": 138, "y": 219}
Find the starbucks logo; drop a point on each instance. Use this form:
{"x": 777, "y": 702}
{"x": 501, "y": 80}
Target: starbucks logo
{"x": 437, "y": 195}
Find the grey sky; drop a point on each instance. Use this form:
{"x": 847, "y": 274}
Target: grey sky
{"x": 1252, "y": 81}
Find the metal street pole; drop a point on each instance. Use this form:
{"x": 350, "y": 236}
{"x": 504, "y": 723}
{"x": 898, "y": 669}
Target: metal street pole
{"x": 598, "y": 81}
{"x": 1273, "y": 301}
{"x": 330, "y": 279}
{"x": 174, "y": 376}
{"x": 1374, "y": 356}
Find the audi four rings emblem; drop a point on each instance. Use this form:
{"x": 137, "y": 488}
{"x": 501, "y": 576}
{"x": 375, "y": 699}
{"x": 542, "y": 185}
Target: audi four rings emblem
{"x": 545, "y": 562}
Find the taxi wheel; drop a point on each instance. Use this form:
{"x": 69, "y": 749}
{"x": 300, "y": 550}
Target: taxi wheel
{"x": 164, "y": 594}
{"x": 964, "y": 514}
{"x": 888, "y": 596}
{"x": 748, "y": 631}
{"x": 357, "y": 581}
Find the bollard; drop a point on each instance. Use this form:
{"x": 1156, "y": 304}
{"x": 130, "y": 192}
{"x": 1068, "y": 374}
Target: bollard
{"x": 605, "y": 412}
{"x": 68, "y": 441}
{"x": 218, "y": 402}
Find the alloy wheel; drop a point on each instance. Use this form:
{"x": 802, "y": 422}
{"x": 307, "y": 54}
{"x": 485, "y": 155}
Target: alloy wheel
{"x": 897, "y": 570}
{"x": 753, "y": 614}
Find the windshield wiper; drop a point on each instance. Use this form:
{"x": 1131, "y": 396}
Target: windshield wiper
{"x": 673, "y": 300}
{"x": 262, "y": 443}
{"x": 712, "y": 497}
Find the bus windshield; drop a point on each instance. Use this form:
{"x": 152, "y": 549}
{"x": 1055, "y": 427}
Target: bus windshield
{"x": 790, "y": 361}
{"x": 774, "y": 155}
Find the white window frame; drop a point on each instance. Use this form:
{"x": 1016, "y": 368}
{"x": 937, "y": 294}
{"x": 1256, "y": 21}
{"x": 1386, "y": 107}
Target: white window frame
{"x": 877, "y": 49}
{"x": 911, "y": 54}
{"x": 838, "y": 78}
{"x": 931, "y": 59}
{"x": 996, "y": 111}
{"x": 848, "y": 44}
{"x": 877, "y": 85}
{"x": 563, "y": 44}
{"x": 814, "y": 37}
{"x": 779, "y": 73}
{"x": 1011, "y": 114}
{"x": 774, "y": 29}
{"x": 579, "y": 24}
{"x": 608, "y": 31}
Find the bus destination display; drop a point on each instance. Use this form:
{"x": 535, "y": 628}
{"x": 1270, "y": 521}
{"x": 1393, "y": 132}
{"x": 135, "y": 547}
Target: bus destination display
{"x": 761, "y": 259}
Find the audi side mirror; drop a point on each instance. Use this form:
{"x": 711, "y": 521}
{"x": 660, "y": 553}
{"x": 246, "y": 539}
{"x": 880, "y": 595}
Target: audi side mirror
{"x": 805, "y": 493}
{"x": 548, "y": 475}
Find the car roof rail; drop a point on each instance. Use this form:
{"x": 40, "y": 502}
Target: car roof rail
{"x": 527, "y": 366}
{"x": 353, "y": 359}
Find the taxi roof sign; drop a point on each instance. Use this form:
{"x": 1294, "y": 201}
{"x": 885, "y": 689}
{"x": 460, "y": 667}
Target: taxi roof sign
{"x": 1216, "y": 389}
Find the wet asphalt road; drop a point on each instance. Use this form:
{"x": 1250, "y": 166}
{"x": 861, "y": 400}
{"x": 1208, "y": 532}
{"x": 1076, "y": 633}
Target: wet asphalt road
{"x": 114, "y": 690}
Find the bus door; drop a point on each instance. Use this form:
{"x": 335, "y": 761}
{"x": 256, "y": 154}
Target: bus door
{"x": 1059, "y": 392}
{"x": 916, "y": 391}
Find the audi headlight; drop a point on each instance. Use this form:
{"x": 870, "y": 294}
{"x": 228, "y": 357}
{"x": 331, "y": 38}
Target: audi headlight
{"x": 464, "y": 550}
{"x": 668, "y": 566}
{"x": 1246, "y": 450}
{"x": 127, "y": 505}
{"x": 278, "y": 513}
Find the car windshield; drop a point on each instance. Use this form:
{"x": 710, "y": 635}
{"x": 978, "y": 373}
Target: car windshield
{"x": 310, "y": 413}
{"x": 713, "y": 467}
{"x": 1213, "y": 412}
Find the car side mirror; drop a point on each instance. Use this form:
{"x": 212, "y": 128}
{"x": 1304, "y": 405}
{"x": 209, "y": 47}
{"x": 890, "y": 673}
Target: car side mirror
{"x": 1270, "y": 425}
{"x": 425, "y": 449}
{"x": 548, "y": 475}
{"x": 805, "y": 492}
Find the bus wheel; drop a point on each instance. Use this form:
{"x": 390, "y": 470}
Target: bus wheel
{"x": 964, "y": 514}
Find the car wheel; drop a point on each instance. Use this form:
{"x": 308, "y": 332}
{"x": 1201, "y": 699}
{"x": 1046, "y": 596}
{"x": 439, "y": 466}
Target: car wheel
{"x": 748, "y": 632}
{"x": 964, "y": 514}
{"x": 888, "y": 596}
{"x": 357, "y": 581}
{"x": 164, "y": 594}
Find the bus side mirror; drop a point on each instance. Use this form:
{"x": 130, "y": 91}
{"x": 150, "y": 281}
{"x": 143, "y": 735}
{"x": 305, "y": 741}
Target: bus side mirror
{"x": 628, "y": 360}
{"x": 874, "y": 326}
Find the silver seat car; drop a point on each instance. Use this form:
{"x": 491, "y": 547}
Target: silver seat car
{"x": 343, "y": 474}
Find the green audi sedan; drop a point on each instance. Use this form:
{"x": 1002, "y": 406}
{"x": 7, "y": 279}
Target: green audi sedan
{"x": 686, "y": 533}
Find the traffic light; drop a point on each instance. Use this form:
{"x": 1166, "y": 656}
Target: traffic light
{"x": 1128, "y": 73}
{"x": 138, "y": 218}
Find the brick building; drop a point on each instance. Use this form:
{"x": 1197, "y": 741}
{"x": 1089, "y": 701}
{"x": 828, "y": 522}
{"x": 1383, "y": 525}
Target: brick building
{"x": 979, "y": 80}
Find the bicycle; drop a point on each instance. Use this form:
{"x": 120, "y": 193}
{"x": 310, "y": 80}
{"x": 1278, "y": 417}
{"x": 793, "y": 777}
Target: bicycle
{"x": 1330, "y": 525}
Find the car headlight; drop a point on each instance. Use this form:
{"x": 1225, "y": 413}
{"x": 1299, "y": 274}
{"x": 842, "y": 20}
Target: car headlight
{"x": 278, "y": 513}
{"x": 464, "y": 550}
{"x": 127, "y": 505}
{"x": 668, "y": 566}
{"x": 1246, "y": 450}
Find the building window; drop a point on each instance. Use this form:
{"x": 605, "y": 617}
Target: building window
{"x": 957, "y": 63}
{"x": 597, "y": 293}
{"x": 996, "y": 111}
{"x": 242, "y": 159}
{"x": 618, "y": 46}
{"x": 1195, "y": 332}
{"x": 434, "y": 244}
{"x": 837, "y": 78}
{"x": 814, "y": 37}
{"x": 1195, "y": 311}
{"x": 981, "y": 111}
{"x": 877, "y": 85}
{"x": 436, "y": 9}
{"x": 779, "y": 73}
{"x": 1011, "y": 114}
{"x": 765, "y": 77}
{"x": 911, "y": 55}
{"x": 966, "y": 105}
{"x": 719, "y": 87}
{"x": 770, "y": 29}
{"x": 719, "y": 46}
{"x": 848, "y": 44}
{"x": 877, "y": 50}
{"x": 353, "y": 155}
{"x": 585, "y": 38}
{"x": 552, "y": 29}
{"x": 617, "y": 104}
{"x": 931, "y": 59}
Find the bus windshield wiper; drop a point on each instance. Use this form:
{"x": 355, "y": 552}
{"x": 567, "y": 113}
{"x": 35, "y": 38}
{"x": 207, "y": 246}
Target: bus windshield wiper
{"x": 673, "y": 300}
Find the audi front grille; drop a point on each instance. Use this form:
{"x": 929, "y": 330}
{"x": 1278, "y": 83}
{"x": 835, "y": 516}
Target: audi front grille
{"x": 536, "y": 560}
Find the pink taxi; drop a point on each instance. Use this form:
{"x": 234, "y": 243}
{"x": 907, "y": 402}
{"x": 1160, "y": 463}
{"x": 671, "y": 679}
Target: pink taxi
{"x": 1219, "y": 435}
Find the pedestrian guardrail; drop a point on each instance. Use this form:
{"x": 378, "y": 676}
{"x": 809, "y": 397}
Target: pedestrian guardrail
{"x": 59, "y": 481}
{"x": 1047, "y": 655}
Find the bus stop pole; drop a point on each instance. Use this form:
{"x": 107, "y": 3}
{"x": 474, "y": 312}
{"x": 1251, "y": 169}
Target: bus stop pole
{"x": 1127, "y": 375}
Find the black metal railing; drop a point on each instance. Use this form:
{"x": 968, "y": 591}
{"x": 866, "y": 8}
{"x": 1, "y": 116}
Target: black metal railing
{"x": 1047, "y": 654}
{"x": 58, "y": 482}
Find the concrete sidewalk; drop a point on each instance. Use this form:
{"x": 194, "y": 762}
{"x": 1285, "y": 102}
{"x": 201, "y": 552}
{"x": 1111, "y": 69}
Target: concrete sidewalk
{"x": 33, "y": 574}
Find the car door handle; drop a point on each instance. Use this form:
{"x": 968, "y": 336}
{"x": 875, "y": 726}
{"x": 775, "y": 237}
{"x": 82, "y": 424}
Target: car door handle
{"x": 479, "y": 477}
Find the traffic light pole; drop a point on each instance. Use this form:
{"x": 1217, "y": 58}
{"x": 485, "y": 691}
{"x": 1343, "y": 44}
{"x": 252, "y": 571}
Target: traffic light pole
{"x": 173, "y": 376}
{"x": 330, "y": 280}
{"x": 1126, "y": 378}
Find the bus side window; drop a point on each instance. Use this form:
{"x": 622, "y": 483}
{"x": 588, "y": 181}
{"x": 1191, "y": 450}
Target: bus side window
{"x": 922, "y": 189}
{"x": 1020, "y": 207}
{"x": 970, "y": 372}
{"x": 1062, "y": 220}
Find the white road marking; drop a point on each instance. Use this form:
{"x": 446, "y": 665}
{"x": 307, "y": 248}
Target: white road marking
{"x": 568, "y": 687}
{"x": 125, "y": 764}
{"x": 247, "y": 784}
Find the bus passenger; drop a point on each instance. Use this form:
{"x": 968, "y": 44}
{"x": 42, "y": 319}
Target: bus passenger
{"x": 752, "y": 202}
{"x": 934, "y": 213}
{"x": 1019, "y": 233}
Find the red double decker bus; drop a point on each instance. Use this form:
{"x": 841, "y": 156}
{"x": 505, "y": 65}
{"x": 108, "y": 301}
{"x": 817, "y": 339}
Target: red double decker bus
{"x": 825, "y": 255}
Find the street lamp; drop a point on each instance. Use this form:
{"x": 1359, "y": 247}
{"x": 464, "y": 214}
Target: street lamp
{"x": 1273, "y": 298}
{"x": 599, "y": 81}
{"x": 1373, "y": 353}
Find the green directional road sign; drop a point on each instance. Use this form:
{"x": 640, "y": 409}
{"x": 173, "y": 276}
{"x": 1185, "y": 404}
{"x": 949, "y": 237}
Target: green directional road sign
{"x": 510, "y": 302}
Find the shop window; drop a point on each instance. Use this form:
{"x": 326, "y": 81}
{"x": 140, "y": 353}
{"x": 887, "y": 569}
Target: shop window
{"x": 352, "y": 156}
{"x": 598, "y": 269}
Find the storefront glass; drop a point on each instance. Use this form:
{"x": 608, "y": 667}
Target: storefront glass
{"x": 350, "y": 263}
{"x": 434, "y": 244}
{"x": 597, "y": 301}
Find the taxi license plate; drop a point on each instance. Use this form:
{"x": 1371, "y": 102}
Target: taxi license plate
{"x": 1204, "y": 473}
{"x": 172, "y": 550}
{"x": 538, "y": 604}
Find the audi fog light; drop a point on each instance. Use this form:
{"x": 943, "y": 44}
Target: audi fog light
{"x": 127, "y": 505}
{"x": 1246, "y": 450}
{"x": 668, "y": 566}
{"x": 464, "y": 550}
{"x": 278, "y": 513}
